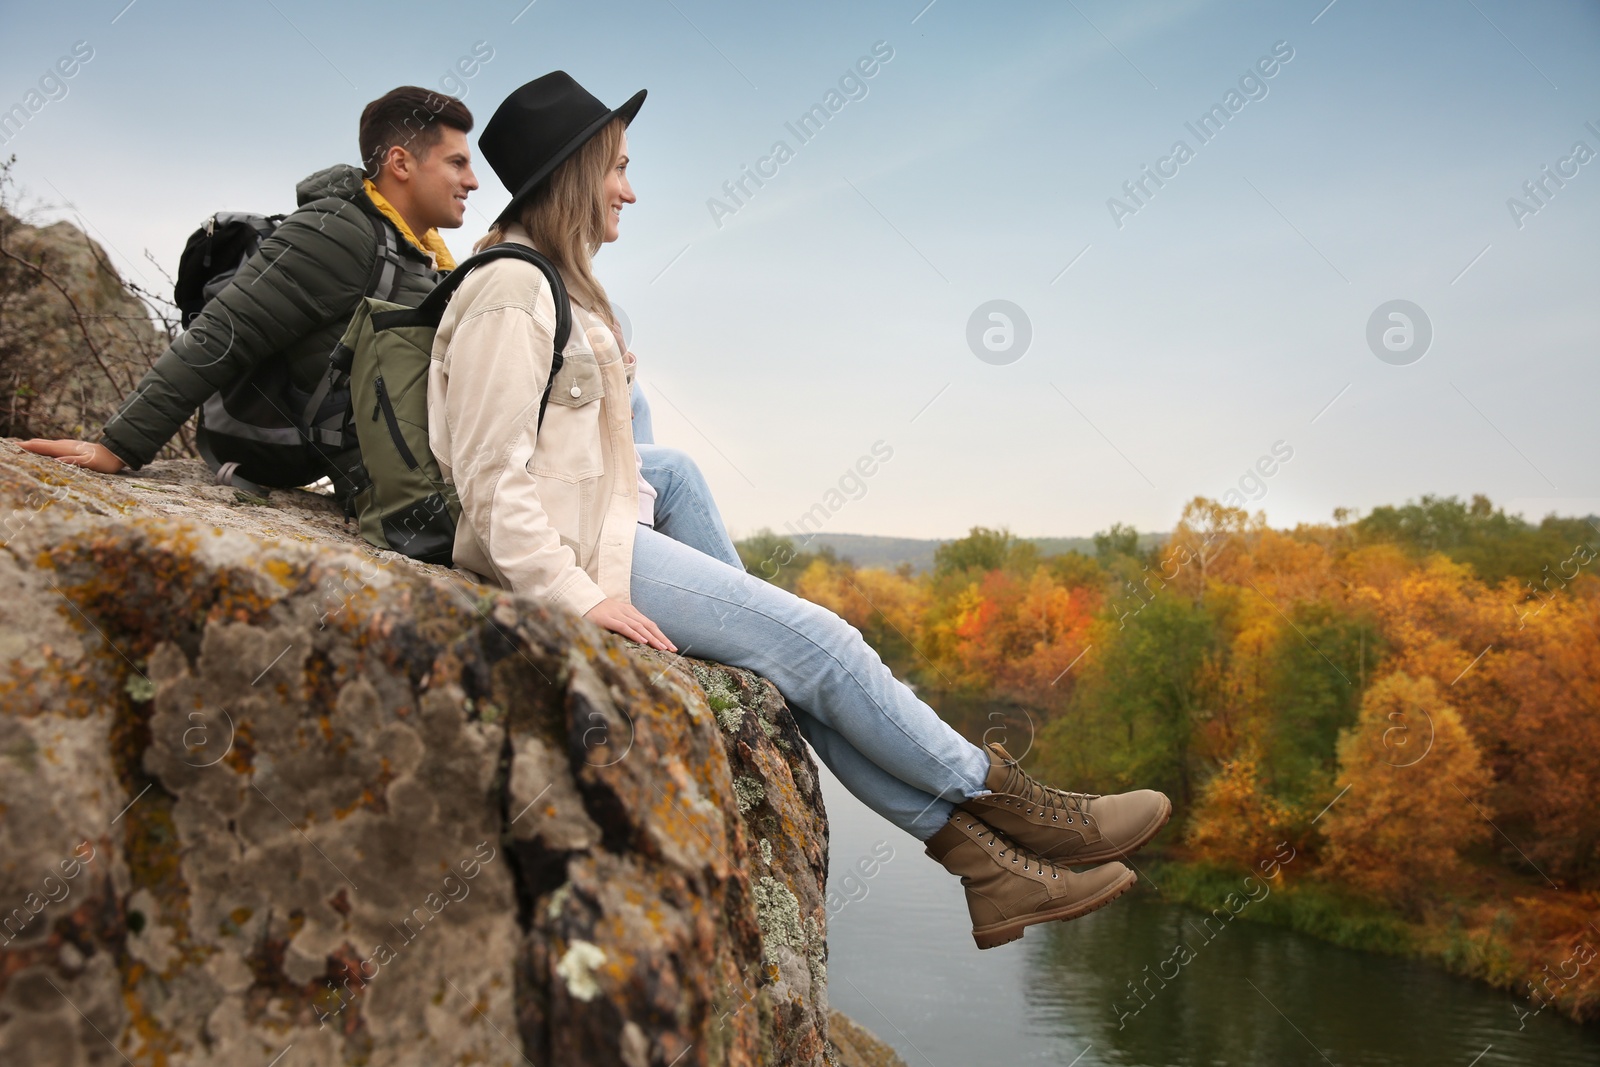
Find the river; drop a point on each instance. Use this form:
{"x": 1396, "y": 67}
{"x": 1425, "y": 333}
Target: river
{"x": 902, "y": 963}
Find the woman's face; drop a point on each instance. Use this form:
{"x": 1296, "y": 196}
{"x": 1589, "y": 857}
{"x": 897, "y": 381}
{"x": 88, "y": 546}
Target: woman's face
{"x": 618, "y": 191}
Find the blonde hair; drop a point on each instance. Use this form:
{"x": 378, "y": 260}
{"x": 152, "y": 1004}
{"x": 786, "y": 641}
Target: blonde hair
{"x": 566, "y": 217}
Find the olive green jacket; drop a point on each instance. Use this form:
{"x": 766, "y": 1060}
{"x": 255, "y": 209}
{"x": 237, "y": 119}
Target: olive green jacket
{"x": 290, "y": 300}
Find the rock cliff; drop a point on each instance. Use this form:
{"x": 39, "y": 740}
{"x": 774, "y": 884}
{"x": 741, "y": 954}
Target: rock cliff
{"x": 74, "y": 337}
{"x": 263, "y": 788}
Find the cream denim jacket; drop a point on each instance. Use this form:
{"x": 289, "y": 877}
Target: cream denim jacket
{"x": 550, "y": 513}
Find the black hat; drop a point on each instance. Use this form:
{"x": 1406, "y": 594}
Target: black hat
{"x": 540, "y": 125}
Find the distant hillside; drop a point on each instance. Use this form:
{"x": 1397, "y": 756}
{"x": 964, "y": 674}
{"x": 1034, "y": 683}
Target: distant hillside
{"x": 889, "y": 552}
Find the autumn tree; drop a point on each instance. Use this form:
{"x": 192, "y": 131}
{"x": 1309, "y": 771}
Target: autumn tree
{"x": 1435, "y": 615}
{"x": 1014, "y": 636}
{"x": 1075, "y": 570}
{"x": 1541, "y": 702}
{"x": 1204, "y": 532}
{"x": 1416, "y": 793}
{"x": 1236, "y": 820}
{"x": 887, "y": 608}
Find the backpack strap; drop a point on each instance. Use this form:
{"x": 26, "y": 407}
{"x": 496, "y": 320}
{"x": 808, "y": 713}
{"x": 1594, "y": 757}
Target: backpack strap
{"x": 388, "y": 265}
{"x": 432, "y": 308}
{"x": 387, "y": 262}
{"x": 330, "y": 430}
{"x": 226, "y": 473}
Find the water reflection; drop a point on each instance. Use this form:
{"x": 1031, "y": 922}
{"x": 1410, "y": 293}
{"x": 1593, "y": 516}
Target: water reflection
{"x": 902, "y": 962}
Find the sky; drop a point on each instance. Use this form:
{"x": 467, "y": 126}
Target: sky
{"x": 1229, "y": 311}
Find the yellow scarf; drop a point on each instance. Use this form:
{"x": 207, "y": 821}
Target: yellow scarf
{"x": 431, "y": 242}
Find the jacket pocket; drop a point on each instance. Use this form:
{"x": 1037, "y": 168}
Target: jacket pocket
{"x": 577, "y": 383}
{"x": 570, "y": 507}
{"x": 569, "y": 446}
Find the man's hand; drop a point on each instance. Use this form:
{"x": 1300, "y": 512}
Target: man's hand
{"x": 629, "y": 621}
{"x": 85, "y": 454}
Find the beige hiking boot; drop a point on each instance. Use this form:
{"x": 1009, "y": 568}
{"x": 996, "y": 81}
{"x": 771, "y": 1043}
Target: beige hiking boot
{"x": 1065, "y": 828}
{"x": 1009, "y": 888}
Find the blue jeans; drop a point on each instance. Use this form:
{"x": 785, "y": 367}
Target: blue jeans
{"x": 888, "y": 748}
{"x": 685, "y": 510}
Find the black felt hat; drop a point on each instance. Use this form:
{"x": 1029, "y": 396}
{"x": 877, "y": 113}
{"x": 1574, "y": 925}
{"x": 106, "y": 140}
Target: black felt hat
{"x": 540, "y": 125}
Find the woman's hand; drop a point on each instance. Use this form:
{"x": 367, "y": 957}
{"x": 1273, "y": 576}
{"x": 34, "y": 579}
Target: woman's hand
{"x": 85, "y": 454}
{"x": 630, "y": 622}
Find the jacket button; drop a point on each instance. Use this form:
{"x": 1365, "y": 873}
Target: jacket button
{"x": 576, "y": 392}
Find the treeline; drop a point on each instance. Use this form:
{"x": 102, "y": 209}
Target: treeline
{"x": 1411, "y": 698}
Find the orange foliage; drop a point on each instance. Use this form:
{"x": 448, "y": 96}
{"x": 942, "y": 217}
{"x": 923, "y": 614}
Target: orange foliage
{"x": 1016, "y": 635}
{"x": 1207, "y": 534}
{"x": 881, "y": 605}
{"x": 1511, "y": 680}
{"x": 1480, "y": 702}
{"x": 1416, "y": 793}
{"x": 1542, "y": 705}
{"x": 1437, "y": 617}
{"x": 1560, "y": 953}
{"x": 1235, "y": 820}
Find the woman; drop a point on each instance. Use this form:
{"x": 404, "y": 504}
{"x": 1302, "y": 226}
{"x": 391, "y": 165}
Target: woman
{"x": 557, "y": 513}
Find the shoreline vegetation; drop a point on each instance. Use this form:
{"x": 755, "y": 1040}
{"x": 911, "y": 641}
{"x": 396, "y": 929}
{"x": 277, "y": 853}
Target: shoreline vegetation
{"x": 1481, "y": 934}
{"x": 1408, "y": 700}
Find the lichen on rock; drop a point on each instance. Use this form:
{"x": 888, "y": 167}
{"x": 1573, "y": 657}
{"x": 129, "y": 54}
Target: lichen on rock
{"x": 338, "y": 799}
{"x": 749, "y": 792}
{"x": 720, "y": 697}
{"x": 779, "y": 914}
{"x": 577, "y": 966}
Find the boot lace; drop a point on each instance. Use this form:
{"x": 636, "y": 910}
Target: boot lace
{"x": 1005, "y": 847}
{"x": 1057, "y": 803}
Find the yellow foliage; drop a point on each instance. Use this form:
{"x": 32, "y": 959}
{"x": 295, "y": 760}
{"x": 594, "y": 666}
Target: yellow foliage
{"x": 1437, "y": 617}
{"x": 1540, "y": 695}
{"x": 871, "y": 600}
{"x": 1415, "y": 797}
{"x": 1235, "y": 821}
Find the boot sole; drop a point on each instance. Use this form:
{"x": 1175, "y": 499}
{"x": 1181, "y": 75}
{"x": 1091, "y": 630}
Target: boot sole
{"x": 1003, "y": 933}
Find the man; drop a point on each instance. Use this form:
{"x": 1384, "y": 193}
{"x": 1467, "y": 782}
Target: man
{"x": 291, "y": 300}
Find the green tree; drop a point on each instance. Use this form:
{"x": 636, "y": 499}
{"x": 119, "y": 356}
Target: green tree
{"x": 1132, "y": 718}
{"x": 1312, "y": 690}
{"x": 1120, "y": 540}
{"x": 773, "y": 557}
{"x": 981, "y": 550}
{"x": 1495, "y": 545}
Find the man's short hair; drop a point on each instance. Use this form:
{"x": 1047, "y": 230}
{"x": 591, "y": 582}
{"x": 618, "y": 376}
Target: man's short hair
{"x": 410, "y": 117}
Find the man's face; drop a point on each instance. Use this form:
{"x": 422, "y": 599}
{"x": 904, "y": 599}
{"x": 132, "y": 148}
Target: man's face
{"x": 441, "y": 180}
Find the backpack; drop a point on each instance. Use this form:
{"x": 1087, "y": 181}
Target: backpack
{"x": 262, "y": 422}
{"x": 381, "y": 364}
{"x": 213, "y": 255}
